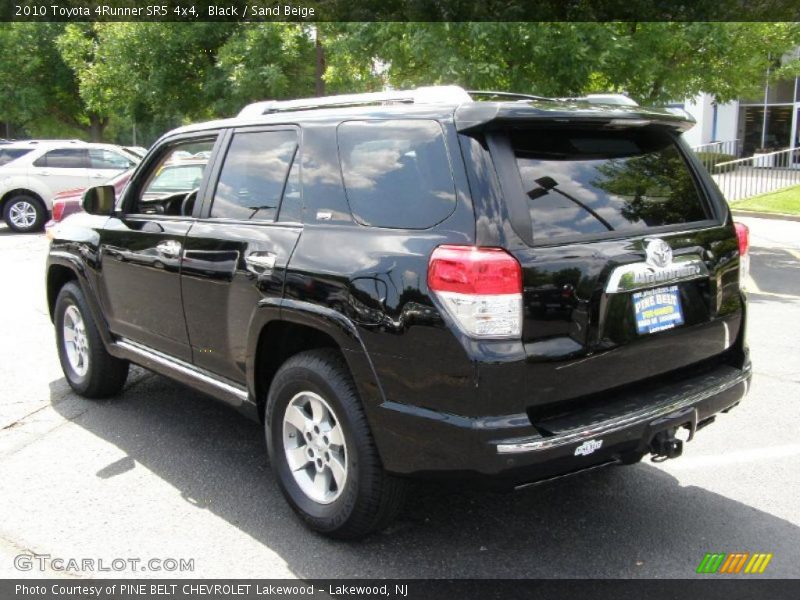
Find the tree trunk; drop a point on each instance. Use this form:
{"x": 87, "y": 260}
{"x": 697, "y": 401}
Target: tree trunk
{"x": 97, "y": 126}
{"x": 319, "y": 82}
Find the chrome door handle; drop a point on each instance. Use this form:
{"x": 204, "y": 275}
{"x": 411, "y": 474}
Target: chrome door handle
{"x": 258, "y": 262}
{"x": 169, "y": 248}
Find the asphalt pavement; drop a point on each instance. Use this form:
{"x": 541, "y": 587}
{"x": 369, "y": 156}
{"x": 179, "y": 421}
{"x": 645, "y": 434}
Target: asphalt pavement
{"x": 162, "y": 472}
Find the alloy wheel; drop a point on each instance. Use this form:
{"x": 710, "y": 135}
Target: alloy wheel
{"x": 315, "y": 448}
{"x": 76, "y": 343}
{"x": 22, "y": 214}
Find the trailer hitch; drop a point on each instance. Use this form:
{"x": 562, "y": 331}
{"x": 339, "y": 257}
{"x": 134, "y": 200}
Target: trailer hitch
{"x": 664, "y": 445}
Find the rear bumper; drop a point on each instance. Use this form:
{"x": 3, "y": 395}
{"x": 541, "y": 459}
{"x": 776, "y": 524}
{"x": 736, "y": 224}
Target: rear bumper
{"x": 509, "y": 451}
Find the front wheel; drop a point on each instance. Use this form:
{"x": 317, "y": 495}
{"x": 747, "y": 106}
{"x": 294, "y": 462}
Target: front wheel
{"x": 322, "y": 451}
{"x": 24, "y": 213}
{"x": 90, "y": 370}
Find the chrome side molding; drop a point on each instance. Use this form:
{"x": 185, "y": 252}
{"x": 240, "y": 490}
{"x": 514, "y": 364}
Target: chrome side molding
{"x": 641, "y": 275}
{"x": 182, "y": 371}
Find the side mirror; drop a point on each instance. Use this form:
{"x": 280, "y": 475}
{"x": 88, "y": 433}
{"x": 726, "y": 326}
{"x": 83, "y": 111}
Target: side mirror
{"x": 99, "y": 200}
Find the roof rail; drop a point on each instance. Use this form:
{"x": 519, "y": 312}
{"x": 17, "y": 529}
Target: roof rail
{"x": 42, "y": 141}
{"x": 618, "y": 99}
{"x": 441, "y": 94}
{"x": 511, "y": 95}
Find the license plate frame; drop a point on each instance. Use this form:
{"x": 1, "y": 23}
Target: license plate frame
{"x": 657, "y": 309}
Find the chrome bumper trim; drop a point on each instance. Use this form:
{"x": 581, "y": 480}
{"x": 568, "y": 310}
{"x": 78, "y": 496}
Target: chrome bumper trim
{"x": 618, "y": 423}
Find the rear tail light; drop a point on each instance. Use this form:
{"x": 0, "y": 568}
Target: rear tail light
{"x": 58, "y": 210}
{"x": 743, "y": 235}
{"x": 480, "y": 288}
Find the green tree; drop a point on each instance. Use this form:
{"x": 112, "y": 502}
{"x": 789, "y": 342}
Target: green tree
{"x": 653, "y": 62}
{"x": 38, "y": 91}
{"x": 264, "y": 60}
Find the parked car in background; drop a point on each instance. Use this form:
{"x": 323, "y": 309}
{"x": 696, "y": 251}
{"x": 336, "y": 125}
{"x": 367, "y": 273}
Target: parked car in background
{"x": 13, "y": 149}
{"x": 29, "y": 182}
{"x": 171, "y": 178}
{"x": 70, "y": 201}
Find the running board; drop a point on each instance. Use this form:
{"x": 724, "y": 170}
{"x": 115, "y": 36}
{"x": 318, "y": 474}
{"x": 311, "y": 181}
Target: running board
{"x": 174, "y": 368}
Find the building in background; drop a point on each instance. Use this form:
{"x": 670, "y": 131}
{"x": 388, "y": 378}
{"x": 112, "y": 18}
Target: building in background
{"x": 768, "y": 121}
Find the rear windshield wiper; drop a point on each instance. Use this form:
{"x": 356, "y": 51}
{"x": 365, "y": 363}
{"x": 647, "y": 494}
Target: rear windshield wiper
{"x": 548, "y": 184}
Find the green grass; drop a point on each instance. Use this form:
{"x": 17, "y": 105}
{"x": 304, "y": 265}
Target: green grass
{"x": 785, "y": 201}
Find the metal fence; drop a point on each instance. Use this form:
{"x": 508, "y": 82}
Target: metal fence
{"x": 757, "y": 174}
{"x": 715, "y": 152}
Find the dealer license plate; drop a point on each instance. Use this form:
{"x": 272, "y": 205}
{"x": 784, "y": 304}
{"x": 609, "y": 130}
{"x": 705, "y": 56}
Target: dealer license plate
{"x": 658, "y": 309}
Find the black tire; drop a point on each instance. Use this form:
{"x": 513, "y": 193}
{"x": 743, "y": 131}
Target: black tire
{"x": 370, "y": 498}
{"x": 104, "y": 374}
{"x": 20, "y": 205}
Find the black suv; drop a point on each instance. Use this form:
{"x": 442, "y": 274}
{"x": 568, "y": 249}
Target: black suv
{"x": 418, "y": 284}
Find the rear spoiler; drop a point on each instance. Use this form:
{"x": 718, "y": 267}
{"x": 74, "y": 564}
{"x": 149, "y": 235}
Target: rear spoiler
{"x": 475, "y": 116}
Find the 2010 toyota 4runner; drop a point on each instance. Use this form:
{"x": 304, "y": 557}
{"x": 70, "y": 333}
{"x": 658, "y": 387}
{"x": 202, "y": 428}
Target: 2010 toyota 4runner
{"x": 418, "y": 284}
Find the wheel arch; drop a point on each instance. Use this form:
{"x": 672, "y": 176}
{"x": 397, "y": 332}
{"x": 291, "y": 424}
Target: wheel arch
{"x": 62, "y": 268}
{"x": 296, "y": 326}
{"x": 58, "y": 275}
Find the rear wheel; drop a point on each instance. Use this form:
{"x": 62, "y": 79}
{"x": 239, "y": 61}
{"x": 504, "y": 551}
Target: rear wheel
{"x": 24, "y": 213}
{"x": 322, "y": 451}
{"x": 89, "y": 369}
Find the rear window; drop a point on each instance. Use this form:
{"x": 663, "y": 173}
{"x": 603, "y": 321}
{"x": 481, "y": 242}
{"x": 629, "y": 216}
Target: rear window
{"x": 396, "y": 172}
{"x": 9, "y": 154}
{"x": 582, "y": 183}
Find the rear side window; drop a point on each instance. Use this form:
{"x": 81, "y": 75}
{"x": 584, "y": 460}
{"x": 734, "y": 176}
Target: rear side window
{"x": 254, "y": 174}
{"x": 105, "y": 159}
{"x": 9, "y": 154}
{"x": 396, "y": 173}
{"x": 64, "y": 158}
{"x": 582, "y": 183}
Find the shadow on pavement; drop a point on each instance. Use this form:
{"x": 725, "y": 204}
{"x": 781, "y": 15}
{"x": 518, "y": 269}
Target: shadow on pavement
{"x": 620, "y": 522}
{"x": 775, "y": 271}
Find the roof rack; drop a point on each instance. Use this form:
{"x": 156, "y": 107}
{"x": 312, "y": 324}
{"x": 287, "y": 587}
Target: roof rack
{"x": 442, "y": 94}
{"x": 618, "y": 99}
{"x": 436, "y": 94}
{"x": 512, "y": 95}
{"x": 34, "y": 142}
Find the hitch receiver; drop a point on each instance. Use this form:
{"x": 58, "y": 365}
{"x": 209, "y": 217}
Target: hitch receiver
{"x": 665, "y": 445}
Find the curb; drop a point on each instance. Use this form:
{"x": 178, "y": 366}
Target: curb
{"x": 765, "y": 215}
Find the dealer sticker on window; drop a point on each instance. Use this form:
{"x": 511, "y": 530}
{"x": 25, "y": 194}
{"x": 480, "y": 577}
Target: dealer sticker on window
{"x": 658, "y": 309}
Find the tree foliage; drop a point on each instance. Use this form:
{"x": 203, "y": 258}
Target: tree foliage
{"x": 99, "y": 79}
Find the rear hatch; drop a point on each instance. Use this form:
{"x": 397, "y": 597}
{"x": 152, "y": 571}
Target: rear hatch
{"x": 629, "y": 258}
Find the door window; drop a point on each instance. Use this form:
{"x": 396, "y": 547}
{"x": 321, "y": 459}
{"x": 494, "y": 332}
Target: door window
{"x": 64, "y": 158}
{"x": 252, "y": 179}
{"x": 170, "y": 186}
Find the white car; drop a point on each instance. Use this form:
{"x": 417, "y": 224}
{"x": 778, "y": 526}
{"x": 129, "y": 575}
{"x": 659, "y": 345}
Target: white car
{"x": 31, "y": 173}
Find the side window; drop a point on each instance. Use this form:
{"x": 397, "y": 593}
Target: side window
{"x": 171, "y": 184}
{"x": 9, "y": 154}
{"x": 105, "y": 159}
{"x": 252, "y": 179}
{"x": 396, "y": 173}
{"x": 64, "y": 158}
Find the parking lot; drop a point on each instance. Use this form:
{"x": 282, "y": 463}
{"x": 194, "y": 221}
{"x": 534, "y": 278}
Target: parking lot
{"x": 164, "y": 472}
